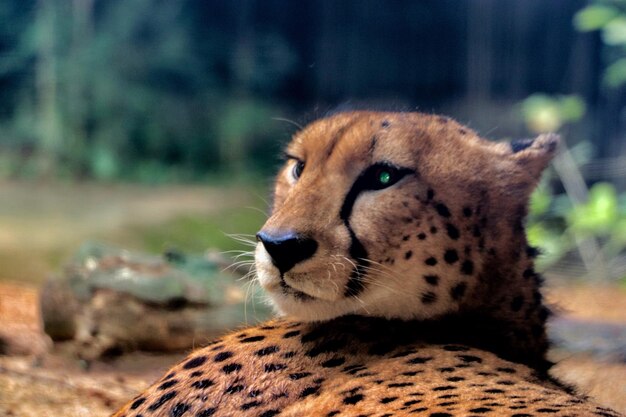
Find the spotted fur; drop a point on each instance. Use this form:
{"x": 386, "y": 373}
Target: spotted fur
{"x": 413, "y": 295}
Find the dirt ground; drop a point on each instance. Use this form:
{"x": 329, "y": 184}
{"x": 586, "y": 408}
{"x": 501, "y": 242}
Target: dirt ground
{"x": 57, "y": 384}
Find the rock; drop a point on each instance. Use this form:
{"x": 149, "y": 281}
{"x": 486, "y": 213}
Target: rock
{"x": 112, "y": 301}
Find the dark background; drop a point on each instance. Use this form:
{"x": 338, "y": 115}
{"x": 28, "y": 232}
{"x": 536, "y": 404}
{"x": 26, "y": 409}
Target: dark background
{"x": 125, "y": 89}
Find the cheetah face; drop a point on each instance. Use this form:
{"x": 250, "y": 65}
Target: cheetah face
{"x": 391, "y": 215}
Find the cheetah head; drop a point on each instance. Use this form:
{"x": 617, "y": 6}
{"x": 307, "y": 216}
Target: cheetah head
{"x": 397, "y": 215}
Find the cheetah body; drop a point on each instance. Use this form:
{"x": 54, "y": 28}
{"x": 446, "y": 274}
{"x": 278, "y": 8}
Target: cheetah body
{"x": 407, "y": 287}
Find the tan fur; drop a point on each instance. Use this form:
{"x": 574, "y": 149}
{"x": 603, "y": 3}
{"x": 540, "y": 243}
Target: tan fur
{"x": 447, "y": 319}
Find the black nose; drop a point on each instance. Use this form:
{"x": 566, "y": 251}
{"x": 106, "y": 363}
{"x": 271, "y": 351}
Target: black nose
{"x": 287, "y": 248}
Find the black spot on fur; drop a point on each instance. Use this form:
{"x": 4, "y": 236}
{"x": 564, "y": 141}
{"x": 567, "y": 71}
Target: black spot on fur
{"x": 467, "y": 268}
{"x": 267, "y": 350}
{"x": 431, "y": 279}
{"x": 408, "y": 254}
{"x": 252, "y": 339}
{"x": 432, "y": 261}
{"x": 273, "y": 367}
{"x": 231, "y": 367}
{"x": 429, "y": 297}
{"x": 443, "y": 210}
{"x": 203, "y": 383}
{"x": 222, "y": 356}
{"x": 250, "y": 405}
{"x": 195, "y": 362}
{"x": 292, "y": 333}
{"x": 494, "y": 391}
{"x": 419, "y": 360}
{"x": 387, "y": 400}
{"x": 444, "y": 388}
{"x": 167, "y": 384}
{"x": 430, "y": 194}
{"x": 505, "y": 382}
{"x": 234, "y": 389}
{"x": 506, "y": 370}
{"x": 137, "y": 403}
{"x": 309, "y": 391}
{"x": 451, "y": 256}
{"x": 353, "y": 399}
{"x": 480, "y": 410}
{"x": 470, "y": 358}
{"x": 433, "y": 230}
{"x": 384, "y": 123}
{"x": 411, "y": 373}
{"x": 400, "y": 384}
{"x": 331, "y": 363}
{"x": 207, "y": 413}
{"x": 162, "y": 400}
{"x": 270, "y": 413}
{"x": 179, "y": 409}
{"x": 453, "y": 232}
{"x": 299, "y": 375}
{"x": 467, "y": 212}
{"x": 458, "y": 291}
{"x": 421, "y": 236}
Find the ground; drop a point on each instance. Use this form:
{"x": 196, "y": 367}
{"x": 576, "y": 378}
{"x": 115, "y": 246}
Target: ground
{"x": 41, "y": 224}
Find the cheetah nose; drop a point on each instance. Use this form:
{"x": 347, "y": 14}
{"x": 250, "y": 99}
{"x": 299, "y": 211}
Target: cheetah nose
{"x": 287, "y": 248}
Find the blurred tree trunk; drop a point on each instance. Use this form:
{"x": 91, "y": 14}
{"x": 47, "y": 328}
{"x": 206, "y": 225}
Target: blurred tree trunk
{"x": 78, "y": 83}
{"x": 231, "y": 143}
{"x": 479, "y": 49}
{"x": 46, "y": 89}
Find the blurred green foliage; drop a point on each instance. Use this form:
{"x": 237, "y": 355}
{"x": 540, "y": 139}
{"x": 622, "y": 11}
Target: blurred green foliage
{"x": 117, "y": 90}
{"x": 543, "y": 113}
{"x": 559, "y": 223}
{"x": 556, "y": 224}
{"x": 197, "y": 233}
{"x": 608, "y": 17}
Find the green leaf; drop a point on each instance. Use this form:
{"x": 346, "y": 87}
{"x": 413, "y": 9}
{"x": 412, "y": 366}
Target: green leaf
{"x": 572, "y": 108}
{"x": 542, "y": 113}
{"x": 594, "y": 17}
{"x": 615, "y": 74}
{"x": 599, "y": 215}
{"x": 614, "y": 33}
{"x": 539, "y": 202}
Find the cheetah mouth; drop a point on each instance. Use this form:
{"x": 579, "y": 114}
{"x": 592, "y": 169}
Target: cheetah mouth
{"x": 290, "y": 291}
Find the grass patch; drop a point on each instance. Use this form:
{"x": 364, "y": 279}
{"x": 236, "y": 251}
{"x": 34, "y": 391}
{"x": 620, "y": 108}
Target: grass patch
{"x": 196, "y": 233}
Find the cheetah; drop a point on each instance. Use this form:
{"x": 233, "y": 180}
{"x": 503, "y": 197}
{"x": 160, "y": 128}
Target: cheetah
{"x": 396, "y": 259}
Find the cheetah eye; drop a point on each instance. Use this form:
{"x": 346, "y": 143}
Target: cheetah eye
{"x": 383, "y": 175}
{"x": 297, "y": 169}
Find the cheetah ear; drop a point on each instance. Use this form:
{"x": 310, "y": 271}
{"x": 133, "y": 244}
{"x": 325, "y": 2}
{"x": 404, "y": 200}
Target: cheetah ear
{"x": 534, "y": 155}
